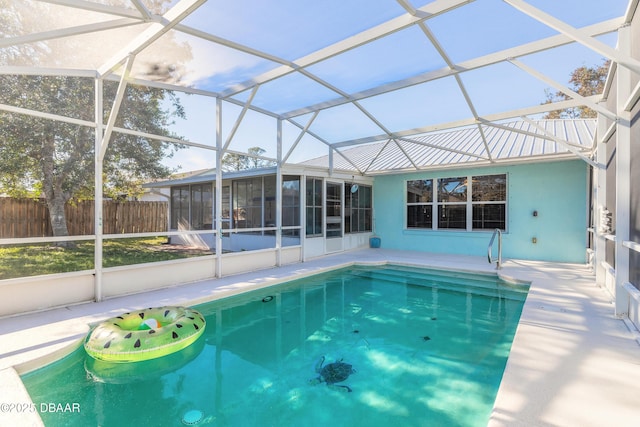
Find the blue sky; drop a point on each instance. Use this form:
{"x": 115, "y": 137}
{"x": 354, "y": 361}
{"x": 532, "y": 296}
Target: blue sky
{"x": 290, "y": 31}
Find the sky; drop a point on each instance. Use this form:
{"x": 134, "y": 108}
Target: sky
{"x": 291, "y": 32}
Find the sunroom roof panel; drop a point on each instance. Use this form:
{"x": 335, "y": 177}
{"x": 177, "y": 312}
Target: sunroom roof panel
{"x": 503, "y": 87}
{"x": 289, "y": 92}
{"x": 211, "y": 66}
{"x": 287, "y": 30}
{"x": 345, "y": 121}
{"x": 381, "y": 61}
{"x": 420, "y": 105}
{"x": 579, "y": 13}
{"x": 484, "y": 27}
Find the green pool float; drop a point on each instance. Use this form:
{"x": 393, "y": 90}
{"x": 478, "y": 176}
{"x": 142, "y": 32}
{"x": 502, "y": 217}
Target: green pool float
{"x": 145, "y": 334}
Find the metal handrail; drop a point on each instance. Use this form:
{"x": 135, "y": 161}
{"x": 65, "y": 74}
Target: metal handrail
{"x": 489, "y": 249}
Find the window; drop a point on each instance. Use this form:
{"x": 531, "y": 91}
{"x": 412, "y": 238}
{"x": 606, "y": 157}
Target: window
{"x": 180, "y": 207}
{"x": 314, "y": 207}
{"x": 254, "y": 202}
{"x": 269, "y": 219}
{"x": 461, "y": 203}
{"x": 452, "y": 203}
{"x": 420, "y": 203}
{"x": 489, "y": 198}
{"x": 357, "y": 209}
{"x": 334, "y": 210}
{"x": 291, "y": 205}
{"x": 202, "y": 207}
{"x": 246, "y": 203}
{"x": 192, "y": 207}
{"x": 225, "y": 216}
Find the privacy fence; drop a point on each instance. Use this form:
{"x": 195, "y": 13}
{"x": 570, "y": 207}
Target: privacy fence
{"x": 30, "y": 218}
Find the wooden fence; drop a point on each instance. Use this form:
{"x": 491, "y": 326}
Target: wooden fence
{"x": 30, "y": 218}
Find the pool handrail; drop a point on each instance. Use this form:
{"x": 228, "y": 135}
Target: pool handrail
{"x": 489, "y": 249}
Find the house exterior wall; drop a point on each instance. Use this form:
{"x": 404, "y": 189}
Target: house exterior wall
{"x": 556, "y": 190}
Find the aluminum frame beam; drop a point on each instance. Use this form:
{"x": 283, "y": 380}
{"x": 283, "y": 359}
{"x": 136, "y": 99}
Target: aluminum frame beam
{"x": 170, "y": 19}
{"x": 472, "y": 64}
{"x": 95, "y": 7}
{"x": 562, "y": 88}
{"x": 570, "y": 147}
{"x": 115, "y": 109}
{"x": 68, "y": 32}
{"x": 537, "y": 109}
{"x": 236, "y": 125}
{"x": 364, "y": 37}
{"x": 579, "y": 36}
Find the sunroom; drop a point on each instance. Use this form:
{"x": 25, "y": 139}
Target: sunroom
{"x": 254, "y": 215}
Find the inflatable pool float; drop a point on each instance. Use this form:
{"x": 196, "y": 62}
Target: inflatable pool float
{"x": 145, "y": 334}
{"x": 103, "y": 371}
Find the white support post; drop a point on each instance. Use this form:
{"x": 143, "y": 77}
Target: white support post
{"x": 623, "y": 172}
{"x": 218, "y": 201}
{"x": 600, "y": 202}
{"x": 279, "y": 196}
{"x": 303, "y": 215}
{"x": 97, "y": 204}
{"x": 330, "y": 161}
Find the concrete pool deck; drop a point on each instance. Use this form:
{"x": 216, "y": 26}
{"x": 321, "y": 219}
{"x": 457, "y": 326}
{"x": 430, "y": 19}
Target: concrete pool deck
{"x": 572, "y": 363}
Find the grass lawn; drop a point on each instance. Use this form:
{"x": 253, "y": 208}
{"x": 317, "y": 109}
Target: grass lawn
{"x": 32, "y": 260}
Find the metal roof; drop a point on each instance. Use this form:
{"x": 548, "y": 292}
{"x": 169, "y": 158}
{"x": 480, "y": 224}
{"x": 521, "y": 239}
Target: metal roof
{"x": 209, "y": 176}
{"x": 539, "y": 140}
{"x": 303, "y": 78}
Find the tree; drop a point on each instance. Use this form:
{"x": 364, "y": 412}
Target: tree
{"x": 237, "y": 162}
{"x": 55, "y": 159}
{"x": 585, "y": 81}
{"x": 40, "y": 156}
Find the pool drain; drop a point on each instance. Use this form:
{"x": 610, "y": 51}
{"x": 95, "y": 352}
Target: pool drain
{"x": 192, "y": 417}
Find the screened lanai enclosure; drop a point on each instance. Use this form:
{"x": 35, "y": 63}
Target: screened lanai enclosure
{"x": 275, "y": 132}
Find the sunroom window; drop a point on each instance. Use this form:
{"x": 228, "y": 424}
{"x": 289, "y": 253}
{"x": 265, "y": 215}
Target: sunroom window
{"x": 357, "y": 208}
{"x": 314, "y": 207}
{"x": 192, "y": 207}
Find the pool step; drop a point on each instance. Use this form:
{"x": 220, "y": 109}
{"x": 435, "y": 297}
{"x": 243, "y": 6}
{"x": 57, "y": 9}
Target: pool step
{"x": 489, "y": 285}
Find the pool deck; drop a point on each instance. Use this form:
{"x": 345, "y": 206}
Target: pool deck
{"x": 572, "y": 363}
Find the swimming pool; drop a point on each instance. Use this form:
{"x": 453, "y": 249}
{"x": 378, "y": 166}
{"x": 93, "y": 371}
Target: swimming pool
{"x": 428, "y": 348}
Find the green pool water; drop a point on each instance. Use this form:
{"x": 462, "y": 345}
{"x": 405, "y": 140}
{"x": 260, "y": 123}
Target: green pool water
{"x": 428, "y": 348}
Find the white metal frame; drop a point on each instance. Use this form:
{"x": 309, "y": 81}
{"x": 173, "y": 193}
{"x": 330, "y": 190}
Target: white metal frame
{"x": 172, "y": 19}
{"x": 155, "y": 26}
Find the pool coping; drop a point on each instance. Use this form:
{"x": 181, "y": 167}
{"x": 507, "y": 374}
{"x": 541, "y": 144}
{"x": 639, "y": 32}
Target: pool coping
{"x": 560, "y": 372}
